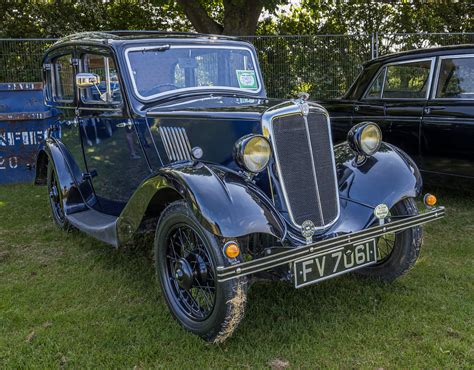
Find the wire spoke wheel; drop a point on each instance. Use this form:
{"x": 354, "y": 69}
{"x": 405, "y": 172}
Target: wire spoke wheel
{"x": 190, "y": 271}
{"x": 396, "y": 252}
{"x": 385, "y": 245}
{"x": 55, "y": 197}
{"x": 186, "y": 259}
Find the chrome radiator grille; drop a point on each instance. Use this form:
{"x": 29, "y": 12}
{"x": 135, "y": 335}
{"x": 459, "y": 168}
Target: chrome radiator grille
{"x": 305, "y": 159}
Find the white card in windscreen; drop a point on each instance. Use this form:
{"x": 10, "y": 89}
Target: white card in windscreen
{"x": 247, "y": 79}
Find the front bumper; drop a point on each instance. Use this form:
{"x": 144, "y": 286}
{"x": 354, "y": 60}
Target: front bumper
{"x": 323, "y": 246}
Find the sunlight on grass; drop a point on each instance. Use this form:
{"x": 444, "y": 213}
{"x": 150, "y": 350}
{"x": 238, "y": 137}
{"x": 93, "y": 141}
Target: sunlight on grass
{"x": 70, "y": 301}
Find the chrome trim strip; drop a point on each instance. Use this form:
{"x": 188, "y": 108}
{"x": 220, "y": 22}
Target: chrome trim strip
{"x": 288, "y": 109}
{"x": 268, "y": 262}
{"x": 310, "y": 144}
{"x": 165, "y": 142}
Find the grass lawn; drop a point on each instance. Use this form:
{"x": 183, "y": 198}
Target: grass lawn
{"x": 67, "y": 300}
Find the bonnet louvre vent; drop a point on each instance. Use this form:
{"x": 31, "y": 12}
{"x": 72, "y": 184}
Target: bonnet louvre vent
{"x": 176, "y": 143}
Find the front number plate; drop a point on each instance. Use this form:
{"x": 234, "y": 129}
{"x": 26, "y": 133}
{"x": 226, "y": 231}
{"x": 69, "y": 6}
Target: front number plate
{"x": 335, "y": 262}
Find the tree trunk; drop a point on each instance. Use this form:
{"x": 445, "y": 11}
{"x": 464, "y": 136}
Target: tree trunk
{"x": 240, "y": 17}
{"x": 199, "y": 18}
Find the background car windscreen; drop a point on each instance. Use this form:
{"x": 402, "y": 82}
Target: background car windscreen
{"x": 158, "y": 72}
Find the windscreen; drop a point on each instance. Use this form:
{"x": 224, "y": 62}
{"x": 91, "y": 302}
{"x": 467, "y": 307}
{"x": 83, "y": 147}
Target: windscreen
{"x": 162, "y": 70}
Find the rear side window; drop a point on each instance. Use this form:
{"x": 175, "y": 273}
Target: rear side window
{"x": 63, "y": 78}
{"x": 407, "y": 81}
{"x": 108, "y": 90}
{"x": 402, "y": 81}
{"x": 456, "y": 78}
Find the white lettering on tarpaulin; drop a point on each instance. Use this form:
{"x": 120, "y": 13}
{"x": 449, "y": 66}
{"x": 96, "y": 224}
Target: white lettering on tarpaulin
{"x": 8, "y": 163}
{"x": 17, "y": 138}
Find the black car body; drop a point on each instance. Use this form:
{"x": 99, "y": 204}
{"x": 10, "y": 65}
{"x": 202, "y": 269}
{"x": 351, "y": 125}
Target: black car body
{"x": 175, "y": 131}
{"x": 423, "y": 100}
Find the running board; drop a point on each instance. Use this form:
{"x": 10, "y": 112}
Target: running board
{"x": 96, "y": 224}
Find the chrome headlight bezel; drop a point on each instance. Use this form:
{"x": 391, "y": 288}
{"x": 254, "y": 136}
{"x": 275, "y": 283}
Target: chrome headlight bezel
{"x": 359, "y": 144}
{"x": 242, "y": 157}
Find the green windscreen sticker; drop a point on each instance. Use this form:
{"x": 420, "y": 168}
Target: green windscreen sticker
{"x": 247, "y": 79}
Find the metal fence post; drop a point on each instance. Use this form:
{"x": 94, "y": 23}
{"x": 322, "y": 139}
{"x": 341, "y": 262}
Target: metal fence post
{"x": 372, "y": 46}
{"x": 376, "y": 53}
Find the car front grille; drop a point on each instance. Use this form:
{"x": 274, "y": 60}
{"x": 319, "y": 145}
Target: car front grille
{"x": 305, "y": 163}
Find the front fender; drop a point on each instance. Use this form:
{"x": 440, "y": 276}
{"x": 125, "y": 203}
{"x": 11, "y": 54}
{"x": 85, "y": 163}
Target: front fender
{"x": 387, "y": 177}
{"x": 224, "y": 203}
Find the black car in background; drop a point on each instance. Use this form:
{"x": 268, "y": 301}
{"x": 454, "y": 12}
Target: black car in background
{"x": 423, "y": 100}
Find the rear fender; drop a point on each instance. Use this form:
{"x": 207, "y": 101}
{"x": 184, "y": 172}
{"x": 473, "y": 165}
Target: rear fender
{"x": 69, "y": 175}
{"x": 223, "y": 202}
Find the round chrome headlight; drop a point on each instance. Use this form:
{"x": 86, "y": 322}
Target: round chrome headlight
{"x": 253, "y": 152}
{"x": 365, "y": 138}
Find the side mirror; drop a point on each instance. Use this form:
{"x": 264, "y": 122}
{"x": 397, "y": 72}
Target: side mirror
{"x": 85, "y": 80}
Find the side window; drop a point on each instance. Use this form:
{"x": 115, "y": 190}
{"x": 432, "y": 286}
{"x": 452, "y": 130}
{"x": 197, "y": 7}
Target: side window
{"x": 456, "y": 78}
{"x": 63, "y": 79}
{"x": 375, "y": 90}
{"x": 108, "y": 90}
{"x": 407, "y": 80}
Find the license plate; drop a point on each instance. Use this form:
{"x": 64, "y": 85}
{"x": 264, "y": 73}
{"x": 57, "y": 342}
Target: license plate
{"x": 335, "y": 262}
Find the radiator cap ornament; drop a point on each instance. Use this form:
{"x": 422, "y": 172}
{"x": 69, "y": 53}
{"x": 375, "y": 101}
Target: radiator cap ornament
{"x": 307, "y": 230}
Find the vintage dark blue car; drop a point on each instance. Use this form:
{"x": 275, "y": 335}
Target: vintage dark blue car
{"x": 174, "y": 133}
{"x": 423, "y": 101}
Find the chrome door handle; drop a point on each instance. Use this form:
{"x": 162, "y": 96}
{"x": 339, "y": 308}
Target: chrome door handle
{"x": 127, "y": 124}
{"x": 427, "y": 110}
{"x": 356, "y": 108}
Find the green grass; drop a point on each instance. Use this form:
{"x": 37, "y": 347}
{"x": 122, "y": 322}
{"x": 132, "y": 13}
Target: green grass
{"x": 67, "y": 300}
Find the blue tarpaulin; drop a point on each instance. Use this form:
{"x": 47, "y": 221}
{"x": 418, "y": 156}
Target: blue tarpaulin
{"x": 24, "y": 121}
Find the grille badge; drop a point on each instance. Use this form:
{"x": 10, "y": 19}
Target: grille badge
{"x": 307, "y": 230}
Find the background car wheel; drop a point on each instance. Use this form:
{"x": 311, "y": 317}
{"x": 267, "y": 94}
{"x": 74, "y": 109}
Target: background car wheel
{"x": 398, "y": 252}
{"x": 186, "y": 257}
{"x": 56, "y": 199}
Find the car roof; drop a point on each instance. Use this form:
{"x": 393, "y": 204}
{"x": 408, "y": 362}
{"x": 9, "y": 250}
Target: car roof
{"x": 422, "y": 52}
{"x": 111, "y": 37}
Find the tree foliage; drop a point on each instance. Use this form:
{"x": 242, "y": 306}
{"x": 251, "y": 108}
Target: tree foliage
{"x": 322, "y": 65}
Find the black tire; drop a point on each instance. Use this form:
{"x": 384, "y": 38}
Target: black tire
{"x": 215, "y": 319}
{"x": 403, "y": 247}
{"x": 56, "y": 199}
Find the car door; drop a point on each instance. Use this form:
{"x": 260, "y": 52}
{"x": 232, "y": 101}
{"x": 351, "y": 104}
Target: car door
{"x": 447, "y": 133}
{"x": 115, "y": 162}
{"x": 60, "y": 70}
{"x": 405, "y": 92}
